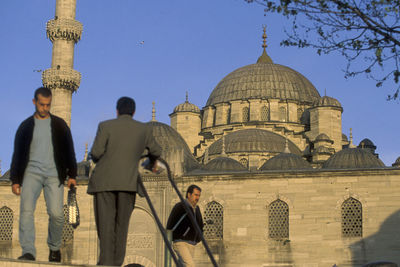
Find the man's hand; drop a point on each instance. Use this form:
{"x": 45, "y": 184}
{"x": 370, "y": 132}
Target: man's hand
{"x": 16, "y": 189}
{"x": 71, "y": 182}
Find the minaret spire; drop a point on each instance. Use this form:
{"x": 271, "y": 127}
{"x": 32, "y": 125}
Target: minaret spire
{"x": 153, "y": 112}
{"x": 85, "y": 157}
{"x": 351, "y": 145}
{"x": 64, "y": 32}
{"x": 264, "y": 58}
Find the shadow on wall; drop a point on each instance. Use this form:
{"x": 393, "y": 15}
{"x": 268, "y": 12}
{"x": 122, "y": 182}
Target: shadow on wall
{"x": 381, "y": 246}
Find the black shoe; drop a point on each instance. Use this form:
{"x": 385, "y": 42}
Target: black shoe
{"x": 27, "y": 257}
{"x": 55, "y": 256}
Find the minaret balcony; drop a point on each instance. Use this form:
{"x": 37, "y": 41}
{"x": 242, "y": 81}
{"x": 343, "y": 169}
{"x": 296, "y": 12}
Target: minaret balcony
{"x": 64, "y": 79}
{"x": 64, "y": 29}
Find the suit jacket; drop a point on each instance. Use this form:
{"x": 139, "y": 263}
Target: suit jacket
{"x": 116, "y": 150}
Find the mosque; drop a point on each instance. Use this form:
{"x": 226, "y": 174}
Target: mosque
{"x": 282, "y": 185}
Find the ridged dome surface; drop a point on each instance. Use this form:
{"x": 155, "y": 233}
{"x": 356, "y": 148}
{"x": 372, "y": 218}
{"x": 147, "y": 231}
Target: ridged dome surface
{"x": 224, "y": 164}
{"x": 187, "y": 107}
{"x": 253, "y": 140}
{"x": 170, "y": 140}
{"x": 353, "y": 158}
{"x": 327, "y": 101}
{"x": 285, "y": 161}
{"x": 264, "y": 81}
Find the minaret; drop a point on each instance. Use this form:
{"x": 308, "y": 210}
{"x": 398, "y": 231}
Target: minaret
{"x": 64, "y": 32}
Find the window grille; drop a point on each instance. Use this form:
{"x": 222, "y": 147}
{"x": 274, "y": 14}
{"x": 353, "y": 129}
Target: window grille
{"x": 6, "y": 224}
{"x": 264, "y": 113}
{"x": 244, "y": 162}
{"x": 245, "y": 114}
{"x": 214, "y": 221}
{"x": 278, "y": 220}
{"x": 68, "y": 230}
{"x": 282, "y": 114}
{"x": 351, "y": 218}
{"x": 299, "y": 114}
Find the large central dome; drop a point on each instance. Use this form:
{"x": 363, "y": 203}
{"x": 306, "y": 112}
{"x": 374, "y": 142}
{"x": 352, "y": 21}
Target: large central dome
{"x": 264, "y": 80}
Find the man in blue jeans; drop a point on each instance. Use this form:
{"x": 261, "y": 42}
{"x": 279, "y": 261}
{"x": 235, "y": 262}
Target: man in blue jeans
{"x": 43, "y": 158}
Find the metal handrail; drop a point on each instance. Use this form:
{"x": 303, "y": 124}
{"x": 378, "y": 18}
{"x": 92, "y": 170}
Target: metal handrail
{"x": 191, "y": 217}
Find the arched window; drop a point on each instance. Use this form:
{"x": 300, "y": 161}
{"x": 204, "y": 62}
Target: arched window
{"x": 282, "y": 114}
{"x": 264, "y": 113}
{"x": 351, "y": 218}
{"x": 278, "y": 220}
{"x": 228, "y": 116}
{"x": 68, "y": 230}
{"x": 6, "y": 224}
{"x": 214, "y": 221}
{"x": 244, "y": 162}
{"x": 299, "y": 114}
{"x": 245, "y": 114}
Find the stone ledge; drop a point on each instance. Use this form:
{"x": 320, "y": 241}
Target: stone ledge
{"x": 5, "y": 262}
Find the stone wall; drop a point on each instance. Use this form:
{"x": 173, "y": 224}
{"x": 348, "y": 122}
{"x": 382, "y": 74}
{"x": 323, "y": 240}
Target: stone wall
{"x": 314, "y": 199}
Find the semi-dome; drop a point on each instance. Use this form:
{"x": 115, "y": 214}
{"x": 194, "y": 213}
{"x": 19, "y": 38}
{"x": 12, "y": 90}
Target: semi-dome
{"x": 224, "y": 164}
{"x": 327, "y": 101}
{"x": 170, "y": 140}
{"x": 285, "y": 161}
{"x": 252, "y": 140}
{"x": 353, "y": 158}
{"x": 83, "y": 169}
{"x": 264, "y": 80}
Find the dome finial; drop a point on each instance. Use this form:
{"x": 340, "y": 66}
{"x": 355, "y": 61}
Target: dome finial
{"x": 351, "y": 145}
{"x": 153, "y": 112}
{"x": 86, "y": 152}
{"x": 287, "y": 150}
{"x": 264, "y": 58}
{"x": 264, "y": 36}
{"x": 187, "y": 97}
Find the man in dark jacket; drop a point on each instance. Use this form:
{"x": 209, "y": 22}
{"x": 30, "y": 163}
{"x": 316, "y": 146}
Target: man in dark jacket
{"x": 43, "y": 158}
{"x": 184, "y": 235}
{"x": 116, "y": 150}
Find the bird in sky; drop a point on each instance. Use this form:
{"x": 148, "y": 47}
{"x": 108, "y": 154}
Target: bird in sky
{"x": 37, "y": 70}
{"x": 142, "y": 42}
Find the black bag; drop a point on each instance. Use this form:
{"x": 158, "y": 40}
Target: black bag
{"x": 73, "y": 209}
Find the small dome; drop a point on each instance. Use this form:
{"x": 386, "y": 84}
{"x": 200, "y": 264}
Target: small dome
{"x": 344, "y": 138}
{"x": 187, "y": 107}
{"x": 170, "y": 140}
{"x": 224, "y": 164}
{"x": 323, "y": 137}
{"x": 396, "y": 163}
{"x": 285, "y": 161}
{"x": 366, "y": 143}
{"x": 327, "y": 101}
{"x": 353, "y": 158}
{"x": 6, "y": 176}
{"x": 252, "y": 140}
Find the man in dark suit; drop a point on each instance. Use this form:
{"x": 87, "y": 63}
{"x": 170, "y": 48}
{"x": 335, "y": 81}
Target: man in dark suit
{"x": 116, "y": 150}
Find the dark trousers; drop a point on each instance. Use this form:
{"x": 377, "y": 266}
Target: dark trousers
{"x": 112, "y": 210}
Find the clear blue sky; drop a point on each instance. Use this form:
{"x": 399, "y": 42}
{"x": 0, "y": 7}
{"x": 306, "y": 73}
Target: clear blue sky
{"x": 188, "y": 46}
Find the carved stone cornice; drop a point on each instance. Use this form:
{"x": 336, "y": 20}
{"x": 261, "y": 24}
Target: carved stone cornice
{"x": 64, "y": 29}
{"x": 65, "y": 79}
